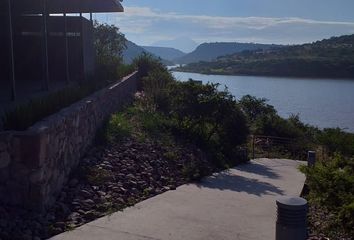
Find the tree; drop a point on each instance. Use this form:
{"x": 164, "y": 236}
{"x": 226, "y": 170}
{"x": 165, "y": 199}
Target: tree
{"x": 255, "y": 108}
{"x": 209, "y": 117}
{"x": 109, "y": 45}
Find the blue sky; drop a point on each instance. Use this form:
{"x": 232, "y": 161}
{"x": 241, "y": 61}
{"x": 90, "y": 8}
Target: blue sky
{"x": 266, "y": 21}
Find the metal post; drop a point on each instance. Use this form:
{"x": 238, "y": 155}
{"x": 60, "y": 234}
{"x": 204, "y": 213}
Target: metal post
{"x": 45, "y": 50}
{"x": 66, "y": 48}
{"x": 291, "y": 218}
{"x": 12, "y": 58}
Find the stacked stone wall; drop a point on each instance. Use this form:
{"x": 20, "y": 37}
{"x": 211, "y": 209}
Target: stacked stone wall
{"x": 34, "y": 164}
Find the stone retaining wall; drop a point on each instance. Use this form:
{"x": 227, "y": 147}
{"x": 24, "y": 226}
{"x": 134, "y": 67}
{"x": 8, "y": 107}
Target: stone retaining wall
{"x": 34, "y": 164}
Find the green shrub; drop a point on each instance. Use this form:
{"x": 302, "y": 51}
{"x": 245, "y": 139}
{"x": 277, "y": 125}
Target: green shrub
{"x": 346, "y": 216}
{"x": 152, "y": 122}
{"x": 147, "y": 121}
{"x": 146, "y": 63}
{"x": 264, "y": 120}
{"x": 331, "y": 185}
{"x": 210, "y": 118}
{"x": 274, "y": 125}
{"x": 155, "y": 79}
{"x": 254, "y": 108}
{"x": 156, "y": 83}
{"x": 171, "y": 155}
{"x": 97, "y": 176}
{"x": 118, "y": 128}
{"x": 124, "y": 70}
{"x": 336, "y": 140}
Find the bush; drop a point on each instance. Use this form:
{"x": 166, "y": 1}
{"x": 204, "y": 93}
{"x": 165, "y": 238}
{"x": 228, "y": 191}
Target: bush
{"x": 118, "y": 128}
{"x": 264, "y": 120}
{"x": 336, "y": 140}
{"x": 155, "y": 84}
{"x": 331, "y": 185}
{"x": 149, "y": 122}
{"x": 255, "y": 108}
{"x": 146, "y": 63}
{"x": 124, "y": 70}
{"x": 210, "y": 118}
{"x": 274, "y": 125}
{"x": 155, "y": 79}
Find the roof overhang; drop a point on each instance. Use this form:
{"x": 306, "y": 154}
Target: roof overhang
{"x": 67, "y": 6}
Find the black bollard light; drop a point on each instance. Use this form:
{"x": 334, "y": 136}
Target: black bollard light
{"x": 291, "y": 218}
{"x": 311, "y": 158}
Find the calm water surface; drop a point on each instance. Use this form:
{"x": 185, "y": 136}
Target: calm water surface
{"x": 320, "y": 102}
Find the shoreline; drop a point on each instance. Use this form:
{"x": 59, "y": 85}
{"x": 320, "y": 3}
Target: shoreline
{"x": 234, "y": 81}
{"x": 262, "y": 75}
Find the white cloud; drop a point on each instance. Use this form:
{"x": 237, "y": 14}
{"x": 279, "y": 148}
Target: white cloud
{"x": 144, "y": 24}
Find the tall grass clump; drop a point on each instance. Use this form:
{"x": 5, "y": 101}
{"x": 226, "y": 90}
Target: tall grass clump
{"x": 118, "y": 128}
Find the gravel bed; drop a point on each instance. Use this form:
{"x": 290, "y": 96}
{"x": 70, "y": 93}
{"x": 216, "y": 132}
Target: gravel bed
{"x": 108, "y": 179}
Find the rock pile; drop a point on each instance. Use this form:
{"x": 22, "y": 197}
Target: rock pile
{"x": 108, "y": 179}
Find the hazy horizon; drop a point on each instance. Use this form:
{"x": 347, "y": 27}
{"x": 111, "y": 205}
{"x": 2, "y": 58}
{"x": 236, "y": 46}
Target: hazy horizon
{"x": 269, "y": 21}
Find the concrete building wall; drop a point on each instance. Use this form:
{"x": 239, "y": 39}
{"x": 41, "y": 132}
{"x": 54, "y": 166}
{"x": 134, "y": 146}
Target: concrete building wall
{"x": 88, "y": 49}
{"x": 5, "y": 82}
{"x": 34, "y": 164}
{"x": 29, "y": 54}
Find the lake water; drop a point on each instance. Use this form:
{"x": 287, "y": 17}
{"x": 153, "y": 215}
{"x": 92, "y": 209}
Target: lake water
{"x": 319, "y": 102}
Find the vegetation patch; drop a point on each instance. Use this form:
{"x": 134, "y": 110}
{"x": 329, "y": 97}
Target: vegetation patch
{"x": 332, "y": 57}
{"x": 176, "y": 132}
{"x": 331, "y": 185}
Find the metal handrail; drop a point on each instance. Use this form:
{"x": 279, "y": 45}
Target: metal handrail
{"x": 271, "y": 141}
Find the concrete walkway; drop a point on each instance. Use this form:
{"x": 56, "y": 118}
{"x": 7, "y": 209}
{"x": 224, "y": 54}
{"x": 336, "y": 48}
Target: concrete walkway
{"x": 238, "y": 204}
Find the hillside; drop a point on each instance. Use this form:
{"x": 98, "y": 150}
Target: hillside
{"x": 332, "y": 57}
{"x": 210, "y": 51}
{"x": 165, "y": 52}
{"x": 132, "y": 51}
{"x": 184, "y": 44}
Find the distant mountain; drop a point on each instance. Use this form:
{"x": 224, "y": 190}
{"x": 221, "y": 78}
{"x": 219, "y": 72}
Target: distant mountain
{"x": 332, "y": 57}
{"x": 184, "y": 44}
{"x": 210, "y": 51}
{"x": 132, "y": 51}
{"x": 165, "y": 52}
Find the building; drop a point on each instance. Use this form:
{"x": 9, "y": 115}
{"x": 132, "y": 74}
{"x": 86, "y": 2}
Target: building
{"x": 46, "y": 44}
